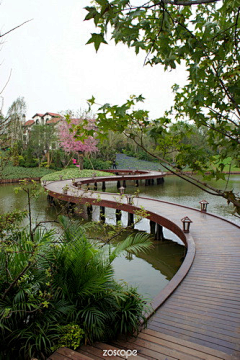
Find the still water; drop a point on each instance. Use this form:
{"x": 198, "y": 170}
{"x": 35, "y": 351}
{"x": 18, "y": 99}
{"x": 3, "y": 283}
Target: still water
{"x": 150, "y": 272}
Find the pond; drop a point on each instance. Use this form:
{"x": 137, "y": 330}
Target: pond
{"x": 152, "y": 271}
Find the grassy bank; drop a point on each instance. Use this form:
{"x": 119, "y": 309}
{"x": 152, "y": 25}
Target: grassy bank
{"x": 18, "y": 172}
{"x": 74, "y": 174}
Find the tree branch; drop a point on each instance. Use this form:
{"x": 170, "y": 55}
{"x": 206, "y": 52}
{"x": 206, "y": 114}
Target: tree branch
{"x": 16, "y": 27}
{"x": 16, "y": 279}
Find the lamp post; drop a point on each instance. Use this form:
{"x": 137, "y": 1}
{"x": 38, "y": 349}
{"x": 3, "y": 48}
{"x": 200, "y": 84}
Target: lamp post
{"x": 122, "y": 188}
{"x": 129, "y": 199}
{"x": 186, "y": 224}
{"x": 204, "y": 205}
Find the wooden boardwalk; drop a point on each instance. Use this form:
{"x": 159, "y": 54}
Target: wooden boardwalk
{"x": 201, "y": 318}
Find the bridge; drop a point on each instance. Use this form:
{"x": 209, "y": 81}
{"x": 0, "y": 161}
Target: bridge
{"x": 197, "y": 315}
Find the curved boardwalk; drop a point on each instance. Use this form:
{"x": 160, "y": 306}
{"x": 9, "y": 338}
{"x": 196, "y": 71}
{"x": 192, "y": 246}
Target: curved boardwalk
{"x": 201, "y": 318}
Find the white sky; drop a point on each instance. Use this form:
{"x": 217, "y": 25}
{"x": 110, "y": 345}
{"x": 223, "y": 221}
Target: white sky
{"x": 54, "y": 70}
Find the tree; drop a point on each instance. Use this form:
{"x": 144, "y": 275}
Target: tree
{"x": 5, "y": 120}
{"x": 42, "y": 139}
{"x": 15, "y": 119}
{"x": 204, "y": 36}
{"x": 68, "y": 141}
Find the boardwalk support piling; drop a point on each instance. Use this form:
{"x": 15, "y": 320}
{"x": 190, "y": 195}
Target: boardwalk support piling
{"x": 102, "y": 213}
{"x": 89, "y": 211}
{"x": 118, "y": 184}
{"x": 95, "y": 186}
{"x": 50, "y": 200}
{"x": 152, "y": 227}
{"x": 103, "y": 186}
{"x": 70, "y": 207}
{"x": 130, "y": 219}
{"x": 118, "y": 215}
{"x": 159, "y": 233}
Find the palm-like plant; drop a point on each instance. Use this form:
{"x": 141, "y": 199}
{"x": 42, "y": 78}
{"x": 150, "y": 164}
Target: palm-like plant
{"x": 48, "y": 283}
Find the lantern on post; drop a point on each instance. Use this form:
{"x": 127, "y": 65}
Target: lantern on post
{"x": 129, "y": 199}
{"x": 121, "y": 189}
{"x": 186, "y": 224}
{"x": 204, "y": 205}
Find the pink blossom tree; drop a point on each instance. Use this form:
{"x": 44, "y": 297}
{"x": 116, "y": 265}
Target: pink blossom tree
{"x": 69, "y": 143}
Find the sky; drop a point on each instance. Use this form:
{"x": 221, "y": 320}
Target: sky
{"x": 54, "y": 70}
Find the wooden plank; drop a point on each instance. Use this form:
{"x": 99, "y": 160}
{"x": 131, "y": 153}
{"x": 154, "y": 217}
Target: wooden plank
{"x": 206, "y": 321}
{"x": 205, "y": 327}
{"x": 180, "y": 347}
{"x": 196, "y": 316}
{"x": 104, "y": 346}
{"x": 188, "y": 292}
{"x": 98, "y": 352}
{"x": 206, "y": 304}
{"x": 89, "y": 354}
{"x": 188, "y": 344}
{"x": 208, "y": 300}
{"x": 173, "y": 307}
{"x": 71, "y": 354}
{"x": 57, "y": 356}
{"x": 189, "y": 337}
{"x": 161, "y": 349}
{"x": 203, "y": 334}
{"x": 143, "y": 351}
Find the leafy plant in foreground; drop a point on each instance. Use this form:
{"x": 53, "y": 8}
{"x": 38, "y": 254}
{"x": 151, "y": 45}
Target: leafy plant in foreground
{"x": 50, "y": 283}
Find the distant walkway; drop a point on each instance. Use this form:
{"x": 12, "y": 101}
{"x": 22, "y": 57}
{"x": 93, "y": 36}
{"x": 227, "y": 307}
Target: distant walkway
{"x": 198, "y": 313}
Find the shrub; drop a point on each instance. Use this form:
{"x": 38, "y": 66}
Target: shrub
{"x": 18, "y": 172}
{"x": 96, "y": 164}
{"x": 59, "y": 293}
{"x": 71, "y": 336}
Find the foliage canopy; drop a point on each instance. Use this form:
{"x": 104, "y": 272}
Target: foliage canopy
{"x": 204, "y": 37}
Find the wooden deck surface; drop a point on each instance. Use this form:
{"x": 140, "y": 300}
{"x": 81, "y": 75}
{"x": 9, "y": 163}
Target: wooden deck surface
{"x": 201, "y": 318}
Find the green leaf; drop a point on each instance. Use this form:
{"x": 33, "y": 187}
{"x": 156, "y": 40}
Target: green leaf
{"x": 97, "y": 39}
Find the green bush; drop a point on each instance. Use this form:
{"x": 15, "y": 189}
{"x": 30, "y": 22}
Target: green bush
{"x": 48, "y": 286}
{"x": 71, "y": 336}
{"x": 18, "y": 172}
{"x": 96, "y": 164}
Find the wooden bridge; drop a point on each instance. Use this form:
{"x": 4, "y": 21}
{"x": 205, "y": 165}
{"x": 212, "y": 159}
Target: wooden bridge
{"x": 197, "y": 315}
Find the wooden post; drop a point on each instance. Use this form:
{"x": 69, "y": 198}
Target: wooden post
{"x": 70, "y": 207}
{"x": 124, "y": 183}
{"x": 102, "y": 214}
{"x": 159, "y": 233}
{"x": 95, "y": 186}
{"x": 103, "y": 186}
{"x": 89, "y": 211}
{"x": 118, "y": 184}
{"x": 50, "y": 200}
{"x": 130, "y": 219}
{"x": 152, "y": 227}
{"x": 118, "y": 215}
{"x": 136, "y": 183}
